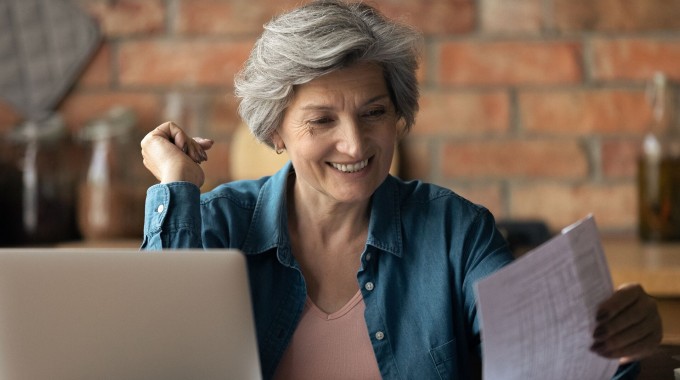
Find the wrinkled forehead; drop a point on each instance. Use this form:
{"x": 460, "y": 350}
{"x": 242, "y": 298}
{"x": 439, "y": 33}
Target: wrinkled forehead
{"x": 361, "y": 80}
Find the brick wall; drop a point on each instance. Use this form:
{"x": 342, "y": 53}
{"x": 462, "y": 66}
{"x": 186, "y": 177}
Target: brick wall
{"x": 534, "y": 108}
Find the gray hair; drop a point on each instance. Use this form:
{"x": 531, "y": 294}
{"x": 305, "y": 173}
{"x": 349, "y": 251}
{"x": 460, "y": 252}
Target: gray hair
{"x": 316, "y": 39}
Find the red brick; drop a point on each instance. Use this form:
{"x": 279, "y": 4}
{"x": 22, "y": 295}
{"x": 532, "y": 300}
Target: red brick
{"x": 634, "y": 58}
{"x": 243, "y": 16}
{"x": 216, "y": 169}
{"x": 9, "y": 116}
{"x": 228, "y": 17}
{"x": 188, "y": 110}
{"x": 502, "y": 16}
{"x": 150, "y": 51}
{"x": 469, "y": 113}
{"x": 128, "y": 17}
{"x": 514, "y": 159}
{"x": 195, "y": 63}
{"x": 83, "y": 106}
{"x": 578, "y": 111}
{"x": 432, "y": 17}
{"x": 509, "y": 63}
{"x": 415, "y": 159}
{"x": 614, "y": 206}
{"x": 619, "y": 157}
{"x": 97, "y": 72}
{"x": 223, "y": 117}
{"x": 616, "y": 15}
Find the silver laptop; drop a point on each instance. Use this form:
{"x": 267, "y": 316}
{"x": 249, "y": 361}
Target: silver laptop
{"x": 123, "y": 314}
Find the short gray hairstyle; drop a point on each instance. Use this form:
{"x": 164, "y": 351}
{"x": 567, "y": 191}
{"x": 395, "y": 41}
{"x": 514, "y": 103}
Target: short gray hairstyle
{"x": 319, "y": 38}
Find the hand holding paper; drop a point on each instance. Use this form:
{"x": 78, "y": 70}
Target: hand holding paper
{"x": 538, "y": 314}
{"x": 628, "y": 325}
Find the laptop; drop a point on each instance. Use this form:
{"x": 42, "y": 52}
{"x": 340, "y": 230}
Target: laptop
{"x": 124, "y": 314}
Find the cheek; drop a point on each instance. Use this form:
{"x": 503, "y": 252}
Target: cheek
{"x": 387, "y": 137}
{"x": 306, "y": 152}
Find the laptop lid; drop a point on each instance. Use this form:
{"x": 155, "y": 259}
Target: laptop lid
{"x": 125, "y": 314}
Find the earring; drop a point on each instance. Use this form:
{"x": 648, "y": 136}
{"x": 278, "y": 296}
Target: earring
{"x": 278, "y": 149}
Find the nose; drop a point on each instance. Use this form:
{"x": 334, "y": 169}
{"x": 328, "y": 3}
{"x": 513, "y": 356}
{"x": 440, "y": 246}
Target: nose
{"x": 350, "y": 138}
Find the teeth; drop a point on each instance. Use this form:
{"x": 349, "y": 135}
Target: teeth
{"x": 351, "y": 168}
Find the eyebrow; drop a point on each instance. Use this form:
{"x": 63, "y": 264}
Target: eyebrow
{"x": 322, "y": 107}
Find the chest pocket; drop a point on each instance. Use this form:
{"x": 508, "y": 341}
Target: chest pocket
{"x": 445, "y": 359}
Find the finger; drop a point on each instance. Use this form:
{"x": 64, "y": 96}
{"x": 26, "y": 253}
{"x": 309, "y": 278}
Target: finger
{"x": 201, "y": 145}
{"x": 623, "y": 298}
{"x": 173, "y": 133}
{"x": 633, "y": 315}
{"x": 627, "y": 359}
{"x": 204, "y": 143}
{"x": 196, "y": 152}
{"x": 647, "y": 325}
{"x": 636, "y": 350}
{"x": 193, "y": 147}
{"x": 633, "y": 332}
{"x": 170, "y": 155}
{"x": 178, "y": 136}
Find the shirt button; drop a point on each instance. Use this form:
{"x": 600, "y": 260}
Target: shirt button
{"x": 160, "y": 208}
{"x": 368, "y": 256}
{"x": 369, "y": 286}
{"x": 380, "y": 335}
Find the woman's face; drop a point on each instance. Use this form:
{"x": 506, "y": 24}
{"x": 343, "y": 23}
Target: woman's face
{"x": 340, "y": 131}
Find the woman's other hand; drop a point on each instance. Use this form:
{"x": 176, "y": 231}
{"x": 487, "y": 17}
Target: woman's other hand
{"x": 628, "y": 325}
{"x": 171, "y": 155}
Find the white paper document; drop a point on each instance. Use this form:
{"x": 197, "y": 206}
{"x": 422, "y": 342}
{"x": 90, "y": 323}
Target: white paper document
{"x": 538, "y": 313}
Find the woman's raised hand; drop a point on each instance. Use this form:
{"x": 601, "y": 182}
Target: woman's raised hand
{"x": 628, "y": 325}
{"x": 171, "y": 155}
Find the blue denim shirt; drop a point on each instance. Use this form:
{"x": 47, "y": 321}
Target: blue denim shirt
{"x": 426, "y": 248}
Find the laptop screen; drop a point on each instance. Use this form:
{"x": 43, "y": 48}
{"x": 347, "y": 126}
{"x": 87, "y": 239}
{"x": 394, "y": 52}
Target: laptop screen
{"x": 125, "y": 314}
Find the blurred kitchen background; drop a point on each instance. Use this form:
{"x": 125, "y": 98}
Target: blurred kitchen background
{"x": 534, "y": 108}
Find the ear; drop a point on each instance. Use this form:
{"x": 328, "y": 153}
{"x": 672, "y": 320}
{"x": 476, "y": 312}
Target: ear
{"x": 277, "y": 141}
{"x": 401, "y": 129}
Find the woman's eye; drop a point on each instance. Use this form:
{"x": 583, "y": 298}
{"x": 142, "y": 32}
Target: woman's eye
{"x": 321, "y": 121}
{"x": 313, "y": 126}
{"x": 375, "y": 113}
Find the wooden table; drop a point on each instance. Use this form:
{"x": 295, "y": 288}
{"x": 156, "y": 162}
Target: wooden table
{"x": 657, "y": 268}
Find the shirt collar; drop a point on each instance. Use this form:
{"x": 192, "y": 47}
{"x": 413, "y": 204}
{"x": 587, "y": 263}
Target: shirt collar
{"x": 268, "y": 228}
{"x": 384, "y": 227}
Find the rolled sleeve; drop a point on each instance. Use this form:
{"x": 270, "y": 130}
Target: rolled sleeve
{"x": 172, "y": 216}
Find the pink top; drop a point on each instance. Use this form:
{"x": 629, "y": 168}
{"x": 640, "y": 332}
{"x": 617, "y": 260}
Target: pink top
{"x": 330, "y": 346}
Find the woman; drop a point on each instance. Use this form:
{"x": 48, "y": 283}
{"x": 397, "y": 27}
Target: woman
{"x": 354, "y": 273}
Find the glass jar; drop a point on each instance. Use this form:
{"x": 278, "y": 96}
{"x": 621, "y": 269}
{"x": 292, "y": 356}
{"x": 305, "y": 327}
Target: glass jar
{"x": 111, "y": 202}
{"x": 46, "y": 166}
{"x": 659, "y": 165}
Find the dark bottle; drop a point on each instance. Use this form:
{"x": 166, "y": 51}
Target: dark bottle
{"x": 659, "y": 166}
{"x": 47, "y": 182}
{"x": 11, "y": 228}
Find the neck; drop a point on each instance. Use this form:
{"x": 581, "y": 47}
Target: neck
{"x": 319, "y": 218}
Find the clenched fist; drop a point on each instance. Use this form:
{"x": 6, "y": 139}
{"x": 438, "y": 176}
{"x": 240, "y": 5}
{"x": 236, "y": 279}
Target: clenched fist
{"x": 171, "y": 155}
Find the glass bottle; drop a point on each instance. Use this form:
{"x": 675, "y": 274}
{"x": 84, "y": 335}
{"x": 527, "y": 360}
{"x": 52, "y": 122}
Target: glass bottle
{"x": 47, "y": 182}
{"x": 110, "y": 202}
{"x": 659, "y": 165}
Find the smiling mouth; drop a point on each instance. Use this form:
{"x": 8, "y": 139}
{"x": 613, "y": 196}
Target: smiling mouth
{"x": 350, "y": 168}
